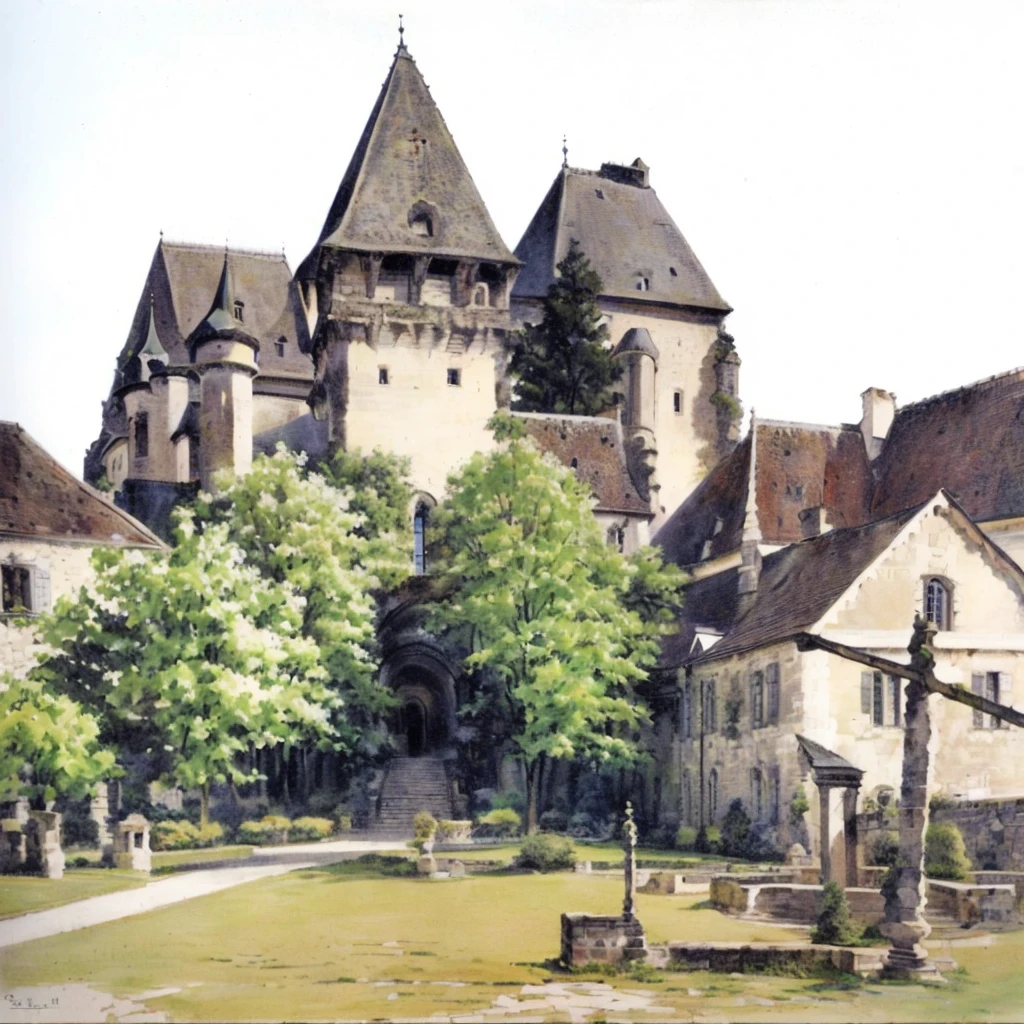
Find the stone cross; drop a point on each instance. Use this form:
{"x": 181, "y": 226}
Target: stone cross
{"x": 629, "y": 864}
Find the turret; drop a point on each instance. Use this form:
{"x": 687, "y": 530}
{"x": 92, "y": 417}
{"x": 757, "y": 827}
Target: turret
{"x": 223, "y": 354}
{"x": 637, "y": 354}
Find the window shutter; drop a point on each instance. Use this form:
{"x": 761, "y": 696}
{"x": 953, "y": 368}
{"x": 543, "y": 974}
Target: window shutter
{"x": 867, "y": 682}
{"x": 1005, "y": 687}
{"x": 978, "y": 687}
{"x": 41, "y": 586}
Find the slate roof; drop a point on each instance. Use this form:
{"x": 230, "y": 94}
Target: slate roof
{"x": 969, "y": 442}
{"x": 799, "y": 466}
{"x": 220, "y": 320}
{"x": 827, "y": 764}
{"x": 183, "y": 279}
{"x": 625, "y": 232}
{"x": 798, "y": 584}
{"x": 39, "y": 498}
{"x": 406, "y": 156}
{"x": 711, "y": 604}
{"x": 596, "y": 443}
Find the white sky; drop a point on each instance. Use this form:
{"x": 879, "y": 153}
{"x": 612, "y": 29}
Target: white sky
{"x": 851, "y": 174}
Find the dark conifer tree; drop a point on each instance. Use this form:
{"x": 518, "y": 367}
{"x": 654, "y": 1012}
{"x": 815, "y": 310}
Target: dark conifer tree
{"x": 562, "y": 364}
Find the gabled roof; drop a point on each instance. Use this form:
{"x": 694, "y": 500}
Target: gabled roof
{"x": 625, "y": 232}
{"x": 39, "y": 498}
{"x": 407, "y": 162}
{"x": 827, "y": 765}
{"x": 596, "y": 445}
{"x": 799, "y": 466}
{"x": 969, "y": 442}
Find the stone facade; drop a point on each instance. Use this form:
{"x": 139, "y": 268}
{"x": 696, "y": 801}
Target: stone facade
{"x": 993, "y": 831}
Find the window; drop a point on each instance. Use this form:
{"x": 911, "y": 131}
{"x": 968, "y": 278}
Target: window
{"x": 619, "y": 539}
{"x": 17, "y": 589}
{"x": 677, "y": 402}
{"x": 382, "y": 375}
{"x": 141, "y": 435}
{"x": 757, "y": 700}
{"x": 423, "y": 225}
{"x": 281, "y": 344}
{"x": 454, "y": 377}
{"x": 757, "y": 793}
{"x": 672, "y": 271}
{"x": 712, "y": 794}
{"x": 996, "y": 686}
{"x": 480, "y": 295}
{"x": 686, "y": 724}
{"x": 936, "y": 603}
{"x": 710, "y": 706}
{"x": 774, "y": 796}
{"x": 239, "y": 311}
{"x": 419, "y": 539}
{"x": 881, "y": 698}
{"x": 643, "y": 284}
{"x": 687, "y": 799}
{"x": 772, "y": 686}
{"x": 598, "y": 193}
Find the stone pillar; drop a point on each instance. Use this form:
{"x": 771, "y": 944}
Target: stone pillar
{"x": 904, "y": 923}
{"x": 43, "y": 854}
{"x": 824, "y": 794}
{"x": 629, "y": 865}
{"x": 99, "y": 811}
{"x": 131, "y": 844}
{"x": 12, "y": 846}
{"x": 850, "y": 835}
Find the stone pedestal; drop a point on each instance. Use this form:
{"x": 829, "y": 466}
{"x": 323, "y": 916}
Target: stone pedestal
{"x": 131, "y": 844}
{"x": 43, "y": 854}
{"x": 426, "y": 864}
{"x": 590, "y": 938}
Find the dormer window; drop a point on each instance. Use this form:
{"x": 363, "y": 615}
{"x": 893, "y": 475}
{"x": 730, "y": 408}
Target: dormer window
{"x": 937, "y": 608}
{"x": 281, "y": 344}
{"x": 643, "y": 284}
{"x": 240, "y": 311}
{"x": 423, "y": 225}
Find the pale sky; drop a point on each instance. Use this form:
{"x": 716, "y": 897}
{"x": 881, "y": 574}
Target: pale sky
{"x": 851, "y": 174}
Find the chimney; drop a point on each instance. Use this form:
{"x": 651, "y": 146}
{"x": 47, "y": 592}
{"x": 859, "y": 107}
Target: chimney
{"x": 879, "y": 412}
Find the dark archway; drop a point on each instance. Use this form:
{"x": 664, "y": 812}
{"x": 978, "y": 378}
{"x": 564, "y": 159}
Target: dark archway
{"x": 413, "y": 725}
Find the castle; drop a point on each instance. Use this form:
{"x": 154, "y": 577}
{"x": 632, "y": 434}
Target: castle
{"x": 395, "y": 332}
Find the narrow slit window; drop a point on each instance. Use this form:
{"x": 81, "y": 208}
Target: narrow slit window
{"x": 281, "y": 345}
{"x": 419, "y": 539}
{"x": 382, "y": 375}
{"x": 677, "y": 402}
{"x": 454, "y": 377}
{"x": 142, "y": 435}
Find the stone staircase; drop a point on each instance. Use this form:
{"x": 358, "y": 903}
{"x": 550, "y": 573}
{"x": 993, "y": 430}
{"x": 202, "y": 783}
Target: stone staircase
{"x": 411, "y": 785}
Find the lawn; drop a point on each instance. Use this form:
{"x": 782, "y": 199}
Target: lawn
{"x": 177, "y": 858}
{"x": 21, "y": 894}
{"x": 336, "y": 944}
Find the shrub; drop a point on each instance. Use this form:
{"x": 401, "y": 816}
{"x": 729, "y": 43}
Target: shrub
{"x": 424, "y": 826}
{"x": 885, "y": 849}
{"x": 834, "y": 926}
{"x": 709, "y": 839}
{"x": 307, "y": 830}
{"x": 545, "y": 852}
{"x": 554, "y": 821}
{"x": 799, "y": 805}
{"x": 343, "y": 820}
{"x": 452, "y": 831}
{"x": 663, "y": 836}
{"x": 726, "y": 893}
{"x": 760, "y": 843}
{"x": 501, "y": 822}
{"x": 686, "y": 838}
{"x": 77, "y": 826}
{"x": 584, "y": 825}
{"x": 735, "y": 830}
{"x": 324, "y": 803}
{"x": 174, "y": 835}
{"x": 211, "y": 834}
{"x": 80, "y": 862}
{"x": 945, "y": 855}
{"x": 272, "y": 829}
{"x": 513, "y": 800}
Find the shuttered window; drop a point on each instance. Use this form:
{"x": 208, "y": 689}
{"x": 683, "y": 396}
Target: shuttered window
{"x": 772, "y": 687}
{"x": 997, "y": 687}
{"x": 881, "y": 697}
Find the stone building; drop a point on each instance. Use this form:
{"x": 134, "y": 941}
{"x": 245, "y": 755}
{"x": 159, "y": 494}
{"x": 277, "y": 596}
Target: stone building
{"x": 49, "y": 525}
{"x": 756, "y": 717}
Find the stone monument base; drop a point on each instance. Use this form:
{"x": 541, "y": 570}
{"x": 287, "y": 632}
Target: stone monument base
{"x": 590, "y": 938}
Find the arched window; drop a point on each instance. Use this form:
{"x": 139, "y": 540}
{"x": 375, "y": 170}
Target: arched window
{"x": 710, "y": 706}
{"x": 936, "y": 603}
{"x": 419, "y": 539}
{"x": 757, "y": 793}
{"x": 712, "y": 794}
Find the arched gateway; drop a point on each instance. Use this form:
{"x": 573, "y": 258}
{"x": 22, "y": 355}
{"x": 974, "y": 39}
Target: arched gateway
{"x": 424, "y": 722}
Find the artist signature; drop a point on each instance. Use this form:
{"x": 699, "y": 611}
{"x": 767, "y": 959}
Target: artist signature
{"x": 28, "y": 1003}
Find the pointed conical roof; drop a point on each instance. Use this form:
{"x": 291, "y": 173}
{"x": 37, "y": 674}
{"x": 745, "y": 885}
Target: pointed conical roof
{"x": 151, "y": 348}
{"x": 221, "y": 321}
{"x": 407, "y": 166}
{"x": 148, "y": 358}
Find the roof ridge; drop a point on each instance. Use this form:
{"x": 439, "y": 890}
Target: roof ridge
{"x": 963, "y": 387}
{"x": 803, "y": 426}
{"x": 233, "y": 250}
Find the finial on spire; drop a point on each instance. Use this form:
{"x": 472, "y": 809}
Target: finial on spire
{"x": 401, "y": 33}
{"x": 565, "y": 152}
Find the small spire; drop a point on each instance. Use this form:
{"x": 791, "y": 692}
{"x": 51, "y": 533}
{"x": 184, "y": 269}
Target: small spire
{"x": 152, "y": 347}
{"x": 565, "y": 152}
{"x": 401, "y": 33}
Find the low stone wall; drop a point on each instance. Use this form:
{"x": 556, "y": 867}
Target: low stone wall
{"x": 1014, "y": 878}
{"x": 800, "y": 903}
{"x": 993, "y": 831}
{"x": 729, "y": 957}
{"x": 589, "y": 938}
{"x": 971, "y": 904}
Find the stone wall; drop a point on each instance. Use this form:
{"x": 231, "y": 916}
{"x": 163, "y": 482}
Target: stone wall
{"x": 730, "y": 957}
{"x": 589, "y": 938}
{"x": 970, "y": 904}
{"x": 993, "y": 830}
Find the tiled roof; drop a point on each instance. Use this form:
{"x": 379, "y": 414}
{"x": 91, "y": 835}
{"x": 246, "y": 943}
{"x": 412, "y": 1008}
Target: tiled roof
{"x": 625, "y": 232}
{"x": 827, "y": 764}
{"x": 969, "y": 442}
{"x": 407, "y": 162}
{"x": 39, "y": 498}
{"x": 596, "y": 445}
{"x": 710, "y": 604}
{"x": 798, "y": 584}
{"x": 799, "y": 466}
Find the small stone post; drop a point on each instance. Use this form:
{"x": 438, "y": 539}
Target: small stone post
{"x": 43, "y": 854}
{"x": 629, "y": 864}
{"x": 904, "y": 924}
{"x": 132, "y": 844}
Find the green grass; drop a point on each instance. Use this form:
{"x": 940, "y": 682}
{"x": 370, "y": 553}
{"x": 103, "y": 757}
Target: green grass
{"x": 176, "y": 858}
{"x": 21, "y": 894}
{"x": 311, "y": 945}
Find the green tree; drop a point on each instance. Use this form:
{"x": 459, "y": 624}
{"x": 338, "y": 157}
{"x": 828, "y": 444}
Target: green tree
{"x": 538, "y": 599}
{"x": 337, "y": 538}
{"x": 49, "y": 746}
{"x": 190, "y": 655}
{"x": 562, "y": 364}
{"x": 834, "y": 925}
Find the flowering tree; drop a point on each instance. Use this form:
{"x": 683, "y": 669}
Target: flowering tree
{"x": 549, "y": 612}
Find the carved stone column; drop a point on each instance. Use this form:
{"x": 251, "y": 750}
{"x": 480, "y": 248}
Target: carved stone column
{"x": 370, "y": 263}
{"x": 824, "y": 795}
{"x": 629, "y": 864}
